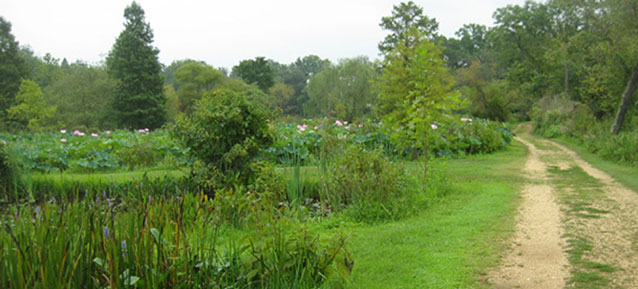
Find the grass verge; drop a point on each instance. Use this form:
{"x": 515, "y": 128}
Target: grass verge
{"x": 623, "y": 173}
{"x": 455, "y": 242}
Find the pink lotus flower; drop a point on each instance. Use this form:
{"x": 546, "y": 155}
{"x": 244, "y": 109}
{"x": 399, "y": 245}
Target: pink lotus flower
{"x": 465, "y": 119}
{"x": 146, "y": 129}
{"x": 77, "y": 132}
{"x": 302, "y": 127}
{"x": 360, "y": 125}
{"x": 347, "y": 127}
{"x": 338, "y": 123}
{"x": 63, "y": 131}
{"x": 81, "y": 134}
{"x": 108, "y": 132}
{"x": 63, "y": 140}
{"x": 316, "y": 127}
{"x": 141, "y": 130}
{"x": 345, "y": 122}
{"x": 94, "y": 134}
{"x": 434, "y": 126}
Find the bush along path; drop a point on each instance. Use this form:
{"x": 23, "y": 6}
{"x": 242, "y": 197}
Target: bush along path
{"x": 578, "y": 227}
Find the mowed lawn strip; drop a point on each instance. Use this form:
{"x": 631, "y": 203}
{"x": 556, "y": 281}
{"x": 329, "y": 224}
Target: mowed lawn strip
{"x": 453, "y": 243}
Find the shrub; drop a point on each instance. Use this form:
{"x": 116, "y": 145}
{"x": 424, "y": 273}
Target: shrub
{"x": 7, "y": 170}
{"x": 372, "y": 187}
{"x": 225, "y": 132}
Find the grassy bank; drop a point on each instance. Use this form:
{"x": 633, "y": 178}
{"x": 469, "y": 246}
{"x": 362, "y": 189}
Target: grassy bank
{"x": 455, "y": 241}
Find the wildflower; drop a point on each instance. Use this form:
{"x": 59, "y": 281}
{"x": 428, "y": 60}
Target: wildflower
{"x": 63, "y": 140}
{"x": 434, "y": 126}
{"x": 63, "y": 131}
{"x": 106, "y": 232}
{"x": 38, "y": 212}
{"x": 150, "y": 198}
{"x": 104, "y": 194}
{"x": 465, "y": 119}
{"x": 94, "y": 134}
{"x": 124, "y": 251}
{"x": 338, "y": 123}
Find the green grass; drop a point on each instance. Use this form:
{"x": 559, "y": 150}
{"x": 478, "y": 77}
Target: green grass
{"x": 623, "y": 173}
{"x": 455, "y": 241}
{"x": 117, "y": 177}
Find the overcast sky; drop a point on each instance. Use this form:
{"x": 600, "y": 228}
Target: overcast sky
{"x": 223, "y": 32}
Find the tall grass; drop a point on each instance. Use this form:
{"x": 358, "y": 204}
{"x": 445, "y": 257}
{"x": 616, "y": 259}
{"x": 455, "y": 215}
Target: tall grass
{"x": 144, "y": 240}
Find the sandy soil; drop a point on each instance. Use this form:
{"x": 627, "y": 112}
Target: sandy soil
{"x": 537, "y": 258}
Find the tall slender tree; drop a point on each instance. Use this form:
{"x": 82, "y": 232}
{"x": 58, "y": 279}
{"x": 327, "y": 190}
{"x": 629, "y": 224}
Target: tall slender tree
{"x": 133, "y": 61}
{"x": 12, "y": 67}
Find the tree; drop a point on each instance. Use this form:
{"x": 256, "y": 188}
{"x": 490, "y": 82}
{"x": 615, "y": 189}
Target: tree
{"x": 194, "y": 80}
{"x": 133, "y": 61}
{"x": 344, "y": 91}
{"x": 415, "y": 89}
{"x": 82, "y": 95}
{"x": 405, "y": 17}
{"x": 31, "y": 110}
{"x": 12, "y": 67}
{"x": 256, "y": 71}
{"x": 472, "y": 45}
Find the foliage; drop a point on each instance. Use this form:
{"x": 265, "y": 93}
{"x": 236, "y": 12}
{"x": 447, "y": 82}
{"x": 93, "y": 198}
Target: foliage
{"x": 225, "y": 132}
{"x": 406, "y": 17}
{"x": 12, "y": 67}
{"x": 8, "y": 171}
{"x": 82, "y": 94}
{"x": 98, "y": 151}
{"x": 31, "y": 109}
{"x": 255, "y": 71}
{"x": 370, "y": 185}
{"x": 194, "y": 80}
{"x": 150, "y": 241}
{"x": 344, "y": 91}
{"x": 133, "y": 61}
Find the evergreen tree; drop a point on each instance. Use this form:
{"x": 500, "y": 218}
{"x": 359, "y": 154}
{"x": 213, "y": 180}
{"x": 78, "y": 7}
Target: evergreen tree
{"x": 12, "y": 67}
{"x": 133, "y": 61}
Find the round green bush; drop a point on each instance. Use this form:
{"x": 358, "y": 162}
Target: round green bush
{"x": 225, "y": 133}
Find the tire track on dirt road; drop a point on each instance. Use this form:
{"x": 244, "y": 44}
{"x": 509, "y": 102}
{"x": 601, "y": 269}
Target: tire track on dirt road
{"x": 537, "y": 259}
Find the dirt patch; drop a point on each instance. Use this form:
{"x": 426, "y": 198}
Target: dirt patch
{"x": 614, "y": 236}
{"x": 537, "y": 259}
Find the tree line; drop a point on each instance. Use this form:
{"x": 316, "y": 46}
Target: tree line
{"x": 578, "y": 50}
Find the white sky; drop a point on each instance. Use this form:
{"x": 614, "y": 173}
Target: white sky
{"x": 223, "y": 32}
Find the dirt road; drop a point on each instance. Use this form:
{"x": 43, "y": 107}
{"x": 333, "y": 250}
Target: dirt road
{"x": 570, "y": 211}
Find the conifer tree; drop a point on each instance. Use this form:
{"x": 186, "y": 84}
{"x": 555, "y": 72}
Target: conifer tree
{"x": 133, "y": 61}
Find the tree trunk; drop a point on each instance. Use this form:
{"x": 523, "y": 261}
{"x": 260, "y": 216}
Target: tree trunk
{"x": 425, "y": 164}
{"x": 566, "y": 77}
{"x": 626, "y": 102}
